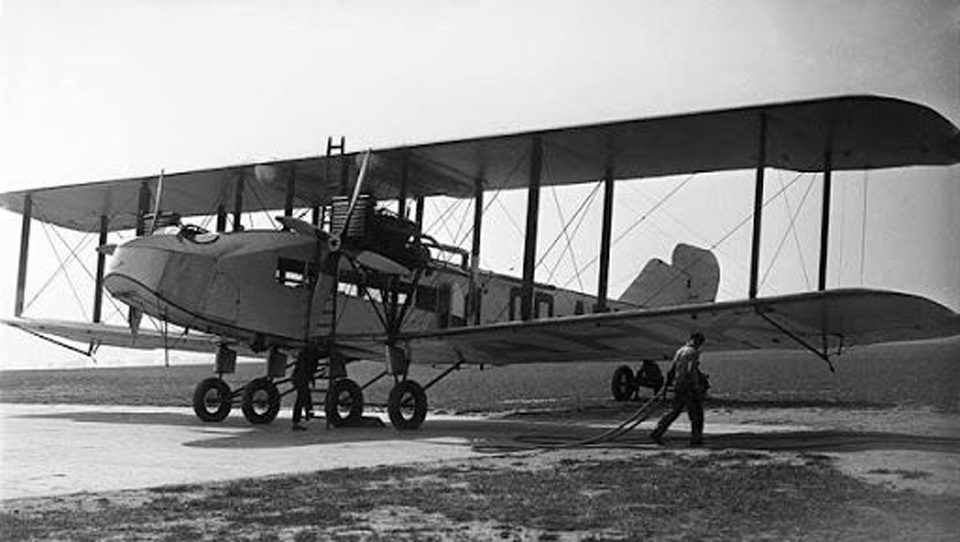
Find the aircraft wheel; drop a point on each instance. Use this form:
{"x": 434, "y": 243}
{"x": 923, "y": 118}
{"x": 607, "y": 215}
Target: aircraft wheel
{"x": 407, "y": 405}
{"x": 261, "y": 401}
{"x": 623, "y": 384}
{"x": 344, "y": 402}
{"x": 211, "y": 399}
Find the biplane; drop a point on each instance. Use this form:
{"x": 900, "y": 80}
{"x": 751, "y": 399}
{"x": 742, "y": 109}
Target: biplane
{"x": 358, "y": 281}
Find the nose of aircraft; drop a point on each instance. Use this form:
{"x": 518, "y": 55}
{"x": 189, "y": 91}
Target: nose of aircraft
{"x": 157, "y": 273}
{"x": 135, "y": 270}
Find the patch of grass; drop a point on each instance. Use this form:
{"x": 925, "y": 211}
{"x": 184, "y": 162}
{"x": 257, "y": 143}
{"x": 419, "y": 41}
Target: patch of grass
{"x": 903, "y": 473}
{"x": 728, "y": 495}
{"x": 872, "y": 377}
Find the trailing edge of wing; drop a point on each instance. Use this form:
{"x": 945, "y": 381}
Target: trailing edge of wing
{"x": 837, "y": 319}
{"x": 863, "y": 132}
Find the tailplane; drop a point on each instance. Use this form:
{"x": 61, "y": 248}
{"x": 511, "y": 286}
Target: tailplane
{"x": 692, "y": 277}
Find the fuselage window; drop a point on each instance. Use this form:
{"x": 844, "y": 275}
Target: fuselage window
{"x": 543, "y": 305}
{"x": 294, "y": 273}
{"x": 426, "y": 299}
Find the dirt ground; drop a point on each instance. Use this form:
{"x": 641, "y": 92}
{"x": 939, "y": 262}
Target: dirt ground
{"x": 794, "y": 472}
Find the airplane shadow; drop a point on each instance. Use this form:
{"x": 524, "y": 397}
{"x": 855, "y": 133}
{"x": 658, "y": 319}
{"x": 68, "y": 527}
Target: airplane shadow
{"x": 236, "y": 432}
{"x": 500, "y": 435}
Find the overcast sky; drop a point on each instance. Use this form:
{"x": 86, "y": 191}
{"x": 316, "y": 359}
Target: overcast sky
{"x": 92, "y": 90}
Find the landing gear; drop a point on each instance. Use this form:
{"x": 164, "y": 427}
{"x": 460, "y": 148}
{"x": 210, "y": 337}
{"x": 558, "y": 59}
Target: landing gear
{"x": 211, "y": 399}
{"x": 261, "y": 401}
{"x": 344, "y": 402}
{"x": 623, "y": 385}
{"x": 407, "y": 405}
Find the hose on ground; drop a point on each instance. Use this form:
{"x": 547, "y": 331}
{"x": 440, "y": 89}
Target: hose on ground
{"x": 554, "y": 442}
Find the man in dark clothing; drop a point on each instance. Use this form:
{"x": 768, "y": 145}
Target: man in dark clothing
{"x": 688, "y": 392}
{"x": 302, "y": 377}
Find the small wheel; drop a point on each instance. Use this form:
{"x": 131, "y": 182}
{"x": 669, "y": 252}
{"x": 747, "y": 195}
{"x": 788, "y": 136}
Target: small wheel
{"x": 344, "y": 402}
{"x": 261, "y": 401}
{"x": 407, "y": 405}
{"x": 211, "y": 399}
{"x": 623, "y": 384}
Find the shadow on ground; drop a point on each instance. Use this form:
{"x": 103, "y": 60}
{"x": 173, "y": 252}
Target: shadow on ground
{"x": 502, "y": 435}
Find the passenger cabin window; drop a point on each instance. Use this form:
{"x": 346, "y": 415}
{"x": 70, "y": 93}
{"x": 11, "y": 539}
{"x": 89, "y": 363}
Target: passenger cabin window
{"x": 294, "y": 273}
{"x": 542, "y": 304}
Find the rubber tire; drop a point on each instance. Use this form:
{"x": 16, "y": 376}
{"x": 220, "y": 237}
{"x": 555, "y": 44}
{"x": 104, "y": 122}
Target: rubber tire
{"x": 200, "y": 397}
{"x": 623, "y": 384}
{"x": 273, "y": 401}
{"x": 402, "y": 392}
{"x": 337, "y": 389}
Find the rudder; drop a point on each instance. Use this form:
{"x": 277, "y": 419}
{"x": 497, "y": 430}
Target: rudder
{"x": 693, "y": 277}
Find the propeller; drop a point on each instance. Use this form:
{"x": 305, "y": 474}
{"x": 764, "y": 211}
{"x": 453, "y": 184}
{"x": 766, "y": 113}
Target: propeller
{"x": 156, "y": 205}
{"x": 365, "y": 258}
{"x": 334, "y": 240}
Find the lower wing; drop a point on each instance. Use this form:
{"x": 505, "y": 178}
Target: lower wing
{"x": 820, "y": 321}
{"x": 97, "y": 335}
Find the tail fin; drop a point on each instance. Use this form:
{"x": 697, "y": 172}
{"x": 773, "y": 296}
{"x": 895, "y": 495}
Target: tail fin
{"x": 693, "y": 277}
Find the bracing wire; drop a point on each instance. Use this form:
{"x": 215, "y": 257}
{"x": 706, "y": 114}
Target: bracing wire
{"x": 585, "y": 206}
{"x": 463, "y": 220}
{"x": 582, "y": 212}
{"x": 442, "y": 217}
{"x": 62, "y": 264}
{"x": 793, "y": 229}
{"x": 510, "y": 218}
{"x": 699, "y": 237}
{"x": 567, "y": 223}
{"x": 84, "y": 267}
{"x": 80, "y": 261}
{"x": 263, "y": 206}
{"x": 786, "y": 235}
{"x": 73, "y": 288}
{"x": 496, "y": 194}
{"x": 634, "y": 225}
{"x": 726, "y": 236}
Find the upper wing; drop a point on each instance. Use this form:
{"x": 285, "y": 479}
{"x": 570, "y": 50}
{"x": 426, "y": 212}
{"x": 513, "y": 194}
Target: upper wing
{"x": 863, "y": 132}
{"x": 837, "y": 318}
{"x": 109, "y": 335}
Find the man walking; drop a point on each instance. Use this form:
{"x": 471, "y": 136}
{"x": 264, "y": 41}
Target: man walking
{"x": 688, "y": 392}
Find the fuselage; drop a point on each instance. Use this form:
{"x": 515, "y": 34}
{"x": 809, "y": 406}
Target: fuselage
{"x": 259, "y": 286}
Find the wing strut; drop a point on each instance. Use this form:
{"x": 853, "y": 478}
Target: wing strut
{"x": 530, "y": 241}
{"x": 799, "y": 340}
{"x": 605, "y": 232}
{"x": 758, "y": 206}
{"x": 89, "y": 352}
{"x": 24, "y": 253}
